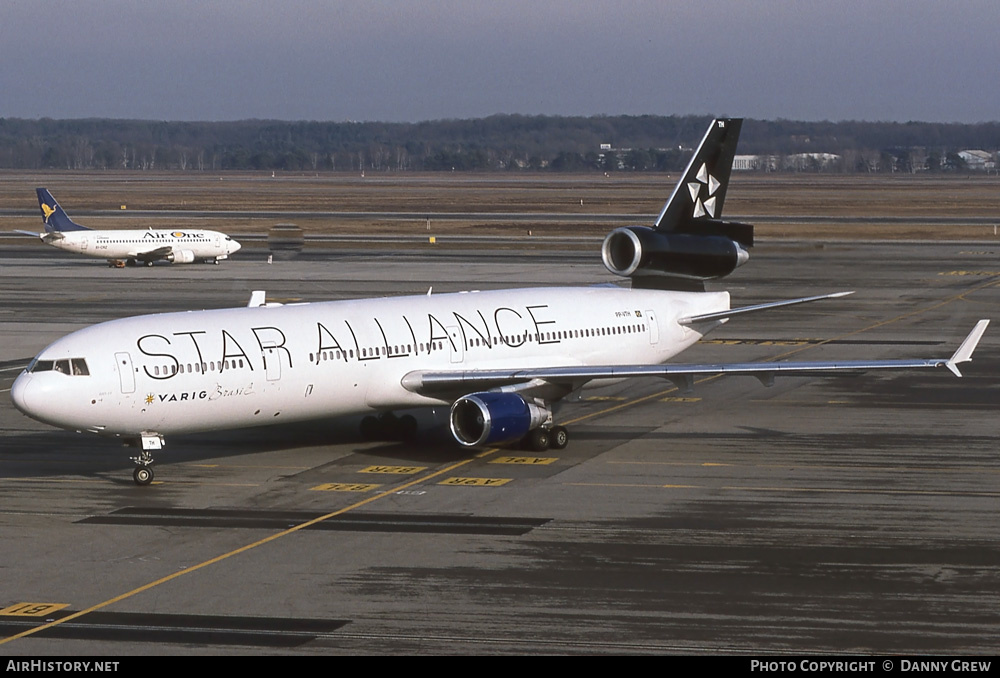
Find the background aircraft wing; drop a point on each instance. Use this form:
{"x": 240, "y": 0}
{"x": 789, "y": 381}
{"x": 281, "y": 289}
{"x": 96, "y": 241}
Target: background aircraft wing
{"x": 551, "y": 380}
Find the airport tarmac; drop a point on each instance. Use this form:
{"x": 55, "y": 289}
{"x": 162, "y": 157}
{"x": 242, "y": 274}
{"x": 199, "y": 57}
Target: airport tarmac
{"x": 836, "y": 515}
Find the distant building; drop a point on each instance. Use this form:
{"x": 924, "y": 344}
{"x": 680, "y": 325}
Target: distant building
{"x": 978, "y": 160}
{"x": 810, "y": 161}
{"x": 751, "y": 163}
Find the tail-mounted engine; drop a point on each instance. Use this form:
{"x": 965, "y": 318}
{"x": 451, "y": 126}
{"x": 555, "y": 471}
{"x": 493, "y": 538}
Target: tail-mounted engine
{"x": 651, "y": 257}
{"x": 494, "y": 417}
{"x": 689, "y": 242}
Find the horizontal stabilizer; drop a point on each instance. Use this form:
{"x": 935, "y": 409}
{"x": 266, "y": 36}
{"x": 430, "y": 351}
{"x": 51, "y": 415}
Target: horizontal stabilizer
{"x": 719, "y": 315}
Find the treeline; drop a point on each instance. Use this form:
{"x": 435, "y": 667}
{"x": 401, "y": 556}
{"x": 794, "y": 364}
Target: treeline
{"x": 496, "y": 143}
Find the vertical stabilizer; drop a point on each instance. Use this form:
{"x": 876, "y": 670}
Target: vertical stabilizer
{"x": 53, "y": 216}
{"x": 700, "y": 194}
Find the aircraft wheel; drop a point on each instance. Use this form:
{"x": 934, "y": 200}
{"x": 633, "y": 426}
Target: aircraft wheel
{"x": 149, "y": 263}
{"x": 142, "y": 475}
{"x": 370, "y": 428}
{"x": 539, "y": 440}
{"x": 559, "y": 437}
{"x": 406, "y": 428}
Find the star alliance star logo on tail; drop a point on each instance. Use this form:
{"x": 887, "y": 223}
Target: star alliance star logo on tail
{"x": 703, "y": 206}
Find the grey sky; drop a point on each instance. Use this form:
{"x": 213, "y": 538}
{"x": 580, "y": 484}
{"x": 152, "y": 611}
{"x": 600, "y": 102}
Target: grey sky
{"x": 428, "y": 59}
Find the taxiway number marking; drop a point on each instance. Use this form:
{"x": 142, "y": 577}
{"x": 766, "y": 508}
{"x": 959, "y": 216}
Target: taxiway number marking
{"x": 476, "y": 482}
{"x": 346, "y": 487}
{"x": 31, "y": 609}
{"x": 396, "y": 470}
{"x": 535, "y": 461}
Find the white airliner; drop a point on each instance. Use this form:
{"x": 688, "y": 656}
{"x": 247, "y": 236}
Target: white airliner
{"x": 130, "y": 247}
{"x": 500, "y": 359}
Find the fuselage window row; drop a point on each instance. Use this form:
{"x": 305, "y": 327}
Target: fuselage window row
{"x": 79, "y": 365}
{"x": 198, "y": 367}
{"x": 474, "y": 342}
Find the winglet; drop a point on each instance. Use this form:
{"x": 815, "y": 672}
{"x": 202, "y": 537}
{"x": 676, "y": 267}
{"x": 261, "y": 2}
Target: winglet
{"x": 964, "y": 352}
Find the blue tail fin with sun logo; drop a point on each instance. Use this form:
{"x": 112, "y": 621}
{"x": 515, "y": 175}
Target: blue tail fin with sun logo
{"x": 53, "y": 216}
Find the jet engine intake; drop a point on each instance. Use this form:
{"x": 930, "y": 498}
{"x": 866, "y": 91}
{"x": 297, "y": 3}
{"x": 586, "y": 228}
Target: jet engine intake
{"x": 180, "y": 256}
{"x": 493, "y": 417}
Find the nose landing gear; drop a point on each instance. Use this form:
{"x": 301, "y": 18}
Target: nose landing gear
{"x": 143, "y": 473}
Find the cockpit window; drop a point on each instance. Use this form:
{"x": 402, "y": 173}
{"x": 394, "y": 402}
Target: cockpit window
{"x": 72, "y": 366}
{"x": 40, "y": 366}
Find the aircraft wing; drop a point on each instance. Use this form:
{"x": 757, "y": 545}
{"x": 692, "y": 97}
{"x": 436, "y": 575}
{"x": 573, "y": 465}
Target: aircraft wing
{"x": 570, "y": 378}
{"x": 153, "y": 255}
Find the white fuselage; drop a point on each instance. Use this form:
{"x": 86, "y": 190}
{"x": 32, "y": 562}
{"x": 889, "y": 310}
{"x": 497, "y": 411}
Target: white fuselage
{"x": 193, "y": 244}
{"x": 231, "y": 368}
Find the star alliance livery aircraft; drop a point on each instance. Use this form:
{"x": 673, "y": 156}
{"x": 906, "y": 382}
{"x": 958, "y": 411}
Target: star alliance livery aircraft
{"x": 499, "y": 359}
{"x": 130, "y": 247}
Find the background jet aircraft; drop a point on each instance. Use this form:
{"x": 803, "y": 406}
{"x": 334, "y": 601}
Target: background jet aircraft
{"x": 130, "y": 247}
{"x": 499, "y": 359}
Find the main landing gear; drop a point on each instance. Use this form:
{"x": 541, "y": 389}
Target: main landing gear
{"x": 388, "y": 426}
{"x": 542, "y": 439}
{"x": 143, "y": 473}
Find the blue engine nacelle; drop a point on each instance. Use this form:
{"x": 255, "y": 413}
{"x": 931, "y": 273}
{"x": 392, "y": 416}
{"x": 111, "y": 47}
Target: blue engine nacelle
{"x": 494, "y": 417}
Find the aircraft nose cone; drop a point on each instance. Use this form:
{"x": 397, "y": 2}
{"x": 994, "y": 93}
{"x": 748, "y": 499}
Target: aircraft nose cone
{"x": 234, "y": 246}
{"x": 19, "y": 393}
